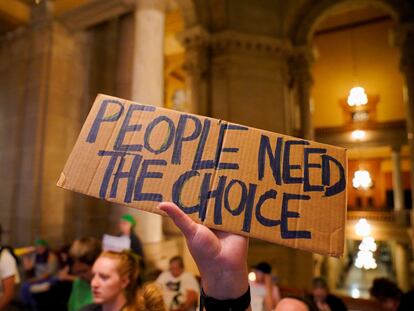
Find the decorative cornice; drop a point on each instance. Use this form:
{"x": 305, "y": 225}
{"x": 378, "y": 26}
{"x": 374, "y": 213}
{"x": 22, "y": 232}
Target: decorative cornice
{"x": 236, "y": 41}
{"x": 95, "y": 12}
{"x": 305, "y": 53}
{"x": 194, "y": 37}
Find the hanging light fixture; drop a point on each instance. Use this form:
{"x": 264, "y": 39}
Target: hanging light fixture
{"x": 357, "y": 97}
{"x": 366, "y": 260}
{"x": 362, "y": 180}
{"x": 363, "y": 228}
{"x": 365, "y": 256}
{"x": 368, "y": 244}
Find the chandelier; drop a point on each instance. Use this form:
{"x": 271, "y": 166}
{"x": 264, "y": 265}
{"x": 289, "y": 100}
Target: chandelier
{"x": 357, "y": 97}
{"x": 362, "y": 180}
{"x": 365, "y": 256}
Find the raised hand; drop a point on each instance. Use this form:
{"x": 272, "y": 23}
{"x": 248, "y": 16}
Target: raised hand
{"x": 221, "y": 257}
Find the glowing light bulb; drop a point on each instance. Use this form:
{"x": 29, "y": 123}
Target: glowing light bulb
{"x": 358, "y": 134}
{"x": 357, "y": 97}
{"x": 252, "y": 276}
{"x": 368, "y": 244}
{"x": 355, "y": 293}
{"x": 363, "y": 228}
{"x": 362, "y": 180}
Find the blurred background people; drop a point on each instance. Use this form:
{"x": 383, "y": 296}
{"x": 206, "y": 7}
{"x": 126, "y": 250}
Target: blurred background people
{"x": 41, "y": 268}
{"x": 390, "y": 296}
{"x": 115, "y": 285}
{"x": 324, "y": 300}
{"x": 127, "y": 225}
{"x": 83, "y": 253}
{"x": 9, "y": 275}
{"x": 180, "y": 288}
{"x": 264, "y": 293}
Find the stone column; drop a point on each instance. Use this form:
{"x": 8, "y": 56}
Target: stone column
{"x": 248, "y": 80}
{"x": 148, "y": 63}
{"x": 334, "y": 271}
{"x": 148, "y": 83}
{"x": 45, "y": 81}
{"x": 397, "y": 185}
{"x": 300, "y": 68}
{"x": 196, "y": 43}
{"x": 401, "y": 266}
{"x": 404, "y": 38}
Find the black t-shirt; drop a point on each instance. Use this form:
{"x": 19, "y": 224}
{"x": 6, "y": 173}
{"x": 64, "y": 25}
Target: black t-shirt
{"x": 335, "y": 303}
{"x": 407, "y": 301}
{"x": 136, "y": 245}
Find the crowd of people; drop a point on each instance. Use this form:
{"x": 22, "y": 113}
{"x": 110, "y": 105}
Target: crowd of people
{"x": 90, "y": 276}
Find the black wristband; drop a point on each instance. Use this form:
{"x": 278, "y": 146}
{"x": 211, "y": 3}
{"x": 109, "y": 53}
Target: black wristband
{"x": 212, "y": 304}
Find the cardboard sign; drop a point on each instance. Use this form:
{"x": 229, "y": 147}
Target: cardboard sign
{"x": 227, "y": 176}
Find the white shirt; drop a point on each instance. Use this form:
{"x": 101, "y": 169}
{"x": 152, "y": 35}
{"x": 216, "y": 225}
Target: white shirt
{"x": 8, "y": 268}
{"x": 258, "y": 293}
{"x": 175, "y": 288}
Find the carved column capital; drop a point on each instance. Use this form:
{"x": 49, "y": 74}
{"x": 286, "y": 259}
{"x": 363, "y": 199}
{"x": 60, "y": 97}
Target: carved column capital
{"x": 300, "y": 61}
{"x": 196, "y": 41}
{"x": 194, "y": 37}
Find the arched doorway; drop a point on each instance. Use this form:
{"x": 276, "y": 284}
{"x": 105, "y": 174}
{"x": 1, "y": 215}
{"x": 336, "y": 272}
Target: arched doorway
{"x": 352, "y": 47}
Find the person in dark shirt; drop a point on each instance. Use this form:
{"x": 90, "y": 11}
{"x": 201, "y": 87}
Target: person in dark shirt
{"x": 390, "y": 296}
{"x": 127, "y": 225}
{"x": 323, "y": 299}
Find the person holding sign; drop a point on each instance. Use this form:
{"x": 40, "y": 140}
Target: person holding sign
{"x": 274, "y": 186}
{"x": 221, "y": 258}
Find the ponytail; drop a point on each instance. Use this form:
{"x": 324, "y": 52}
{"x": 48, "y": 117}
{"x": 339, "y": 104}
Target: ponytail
{"x": 148, "y": 298}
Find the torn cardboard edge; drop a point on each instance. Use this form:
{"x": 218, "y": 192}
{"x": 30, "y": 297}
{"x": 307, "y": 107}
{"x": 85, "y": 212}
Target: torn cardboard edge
{"x": 227, "y": 176}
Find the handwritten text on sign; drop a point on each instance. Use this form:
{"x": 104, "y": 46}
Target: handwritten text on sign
{"x": 147, "y": 144}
